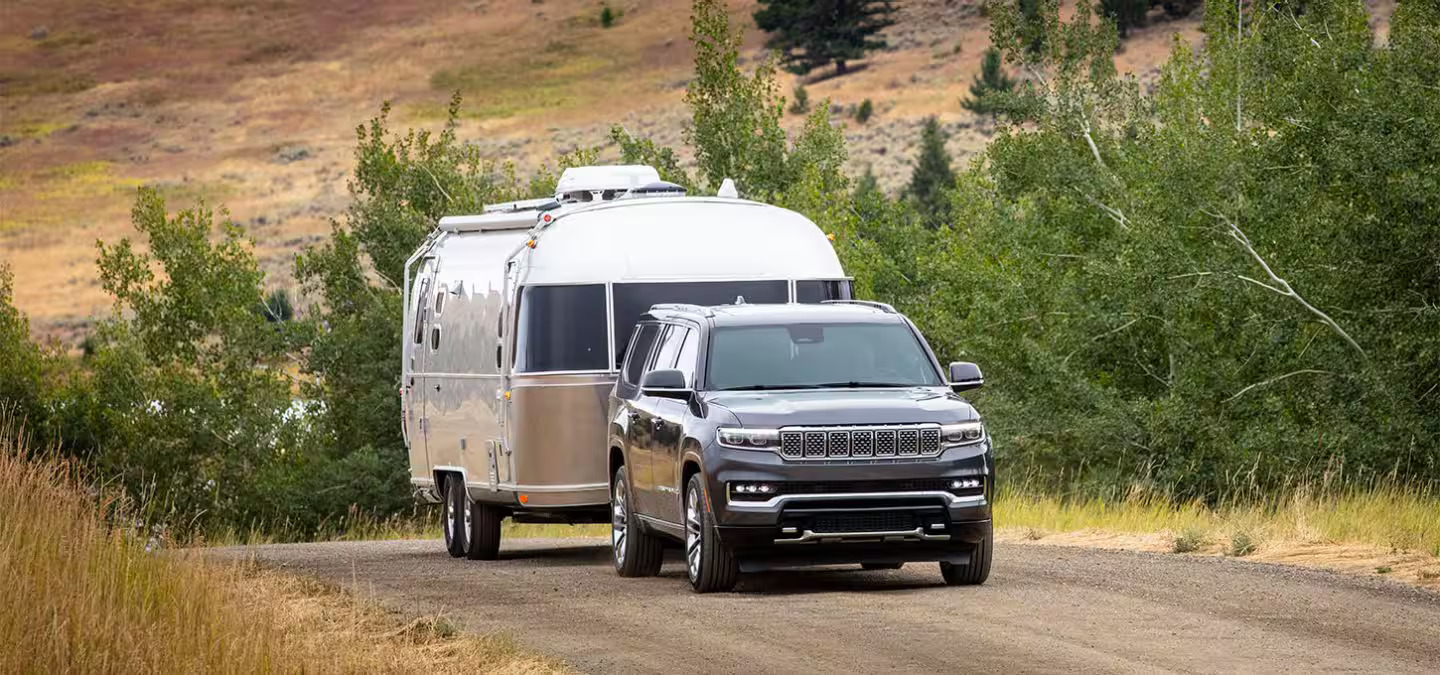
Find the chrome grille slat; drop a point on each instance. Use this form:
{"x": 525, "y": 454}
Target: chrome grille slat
{"x": 860, "y": 442}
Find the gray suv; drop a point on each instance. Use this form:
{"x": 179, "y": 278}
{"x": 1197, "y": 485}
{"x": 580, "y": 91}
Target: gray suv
{"x": 770, "y": 436}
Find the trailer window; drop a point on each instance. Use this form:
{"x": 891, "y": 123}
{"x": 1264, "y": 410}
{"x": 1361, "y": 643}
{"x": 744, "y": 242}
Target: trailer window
{"x": 561, "y": 328}
{"x": 632, "y": 300}
{"x": 816, "y": 291}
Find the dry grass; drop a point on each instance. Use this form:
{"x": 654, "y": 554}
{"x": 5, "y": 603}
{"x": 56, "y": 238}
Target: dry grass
{"x": 1358, "y": 531}
{"x": 82, "y": 596}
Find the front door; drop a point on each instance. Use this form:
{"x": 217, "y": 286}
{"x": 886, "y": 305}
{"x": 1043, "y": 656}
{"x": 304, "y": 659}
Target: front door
{"x": 648, "y": 430}
{"x": 665, "y": 460}
{"x": 416, "y": 426}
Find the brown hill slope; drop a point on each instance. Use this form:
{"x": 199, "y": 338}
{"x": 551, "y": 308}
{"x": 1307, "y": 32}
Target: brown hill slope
{"x": 254, "y": 105}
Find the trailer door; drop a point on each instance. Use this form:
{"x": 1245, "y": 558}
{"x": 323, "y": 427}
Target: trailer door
{"x": 417, "y": 426}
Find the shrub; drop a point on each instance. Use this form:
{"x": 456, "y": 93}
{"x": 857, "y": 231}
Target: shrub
{"x": 1189, "y": 540}
{"x": 864, "y": 111}
{"x": 608, "y": 16}
{"x": 800, "y": 103}
{"x": 1241, "y": 544}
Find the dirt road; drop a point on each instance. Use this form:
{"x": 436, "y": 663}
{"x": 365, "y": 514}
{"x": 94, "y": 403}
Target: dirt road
{"x": 1044, "y": 610}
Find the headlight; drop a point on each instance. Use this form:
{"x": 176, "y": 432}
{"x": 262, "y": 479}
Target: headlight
{"x": 963, "y": 433}
{"x": 749, "y": 439}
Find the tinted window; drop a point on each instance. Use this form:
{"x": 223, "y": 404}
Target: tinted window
{"x": 686, "y": 361}
{"x": 814, "y": 291}
{"x": 670, "y": 348}
{"x": 561, "y": 328}
{"x": 639, "y": 351}
{"x": 808, "y": 355}
{"x": 632, "y": 300}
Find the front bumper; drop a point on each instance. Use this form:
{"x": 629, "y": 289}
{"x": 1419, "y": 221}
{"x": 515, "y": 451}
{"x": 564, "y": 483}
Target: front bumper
{"x": 859, "y": 511}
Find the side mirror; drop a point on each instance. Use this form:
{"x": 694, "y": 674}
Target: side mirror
{"x": 965, "y": 376}
{"x": 669, "y": 383}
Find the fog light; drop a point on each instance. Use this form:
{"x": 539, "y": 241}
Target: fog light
{"x": 964, "y": 483}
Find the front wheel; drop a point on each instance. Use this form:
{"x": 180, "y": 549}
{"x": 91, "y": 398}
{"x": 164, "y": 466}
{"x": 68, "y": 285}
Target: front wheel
{"x": 457, "y": 516}
{"x": 709, "y": 563}
{"x": 977, "y": 570}
{"x": 636, "y": 553}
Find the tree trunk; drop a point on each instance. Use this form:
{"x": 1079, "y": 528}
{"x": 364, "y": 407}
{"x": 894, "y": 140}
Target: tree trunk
{"x": 839, "y": 67}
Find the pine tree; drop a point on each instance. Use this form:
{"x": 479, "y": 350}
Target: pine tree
{"x": 812, "y": 34}
{"x": 991, "y": 80}
{"x": 1032, "y": 25}
{"x": 933, "y": 179}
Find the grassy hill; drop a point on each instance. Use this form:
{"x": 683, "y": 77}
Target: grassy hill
{"x": 254, "y": 105}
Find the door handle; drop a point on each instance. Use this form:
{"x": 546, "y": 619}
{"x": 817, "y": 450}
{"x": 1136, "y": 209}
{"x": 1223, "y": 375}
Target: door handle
{"x": 437, "y": 387}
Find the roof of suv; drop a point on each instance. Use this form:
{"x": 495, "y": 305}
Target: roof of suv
{"x": 771, "y": 314}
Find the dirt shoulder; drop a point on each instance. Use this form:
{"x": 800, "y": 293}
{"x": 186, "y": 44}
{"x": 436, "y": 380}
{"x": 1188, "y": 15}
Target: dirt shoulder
{"x": 1045, "y": 608}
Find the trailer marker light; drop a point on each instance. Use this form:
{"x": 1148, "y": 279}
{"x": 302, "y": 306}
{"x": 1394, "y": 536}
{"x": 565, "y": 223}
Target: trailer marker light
{"x": 530, "y": 243}
{"x": 524, "y": 499}
{"x": 830, "y": 236}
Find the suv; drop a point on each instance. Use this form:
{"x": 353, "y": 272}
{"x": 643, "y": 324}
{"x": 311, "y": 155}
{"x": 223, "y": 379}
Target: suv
{"x": 771, "y": 436}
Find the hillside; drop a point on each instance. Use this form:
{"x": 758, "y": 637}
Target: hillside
{"x": 254, "y": 105}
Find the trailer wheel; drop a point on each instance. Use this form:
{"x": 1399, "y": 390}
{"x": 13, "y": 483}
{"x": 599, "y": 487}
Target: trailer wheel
{"x": 484, "y": 534}
{"x": 636, "y": 553}
{"x": 709, "y": 563}
{"x": 456, "y": 517}
{"x": 977, "y": 570}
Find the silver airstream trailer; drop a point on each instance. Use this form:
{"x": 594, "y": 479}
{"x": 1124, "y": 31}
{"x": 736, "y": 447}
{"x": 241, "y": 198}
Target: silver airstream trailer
{"x": 516, "y": 319}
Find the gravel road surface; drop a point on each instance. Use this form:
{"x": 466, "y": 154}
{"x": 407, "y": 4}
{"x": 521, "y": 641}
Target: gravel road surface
{"x": 1045, "y": 609}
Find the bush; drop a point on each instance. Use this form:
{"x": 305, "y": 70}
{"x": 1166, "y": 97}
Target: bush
{"x": 1241, "y": 544}
{"x": 1188, "y": 541}
{"x": 863, "y": 113}
{"x": 608, "y": 16}
{"x": 800, "y": 103}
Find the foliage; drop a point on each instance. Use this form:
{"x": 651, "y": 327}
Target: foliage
{"x": 811, "y": 34}
{"x": 864, "y": 111}
{"x": 735, "y": 119}
{"x": 1126, "y": 14}
{"x": 801, "y": 100}
{"x": 608, "y": 16}
{"x": 986, "y": 92}
{"x": 1163, "y": 288}
{"x": 932, "y": 178}
{"x": 277, "y": 307}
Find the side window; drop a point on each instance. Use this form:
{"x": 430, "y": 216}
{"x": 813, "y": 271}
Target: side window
{"x": 434, "y": 337}
{"x": 639, "y": 351}
{"x": 689, "y": 349}
{"x": 420, "y": 310}
{"x": 440, "y": 299}
{"x": 669, "y": 348}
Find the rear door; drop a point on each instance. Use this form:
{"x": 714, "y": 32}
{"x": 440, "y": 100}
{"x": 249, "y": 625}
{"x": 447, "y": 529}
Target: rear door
{"x": 413, "y": 388}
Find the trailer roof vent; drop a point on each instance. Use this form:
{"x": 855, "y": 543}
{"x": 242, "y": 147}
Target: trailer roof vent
{"x": 658, "y": 189}
{"x": 727, "y": 190}
{"x": 583, "y": 184}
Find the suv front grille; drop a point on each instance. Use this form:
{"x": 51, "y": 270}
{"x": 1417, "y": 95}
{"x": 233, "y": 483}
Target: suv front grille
{"x": 880, "y": 521}
{"x": 879, "y": 442}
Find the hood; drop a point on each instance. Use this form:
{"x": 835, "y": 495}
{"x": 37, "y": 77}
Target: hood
{"x": 844, "y": 406}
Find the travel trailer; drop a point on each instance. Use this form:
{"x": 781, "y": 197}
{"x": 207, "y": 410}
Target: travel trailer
{"x": 517, "y": 319}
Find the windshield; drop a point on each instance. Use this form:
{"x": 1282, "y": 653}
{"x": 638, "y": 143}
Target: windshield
{"x": 809, "y": 356}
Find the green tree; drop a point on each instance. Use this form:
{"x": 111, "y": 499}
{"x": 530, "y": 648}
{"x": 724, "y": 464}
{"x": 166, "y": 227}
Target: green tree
{"x": 1126, "y": 14}
{"x": 932, "y": 179}
{"x": 813, "y": 34}
{"x": 991, "y": 81}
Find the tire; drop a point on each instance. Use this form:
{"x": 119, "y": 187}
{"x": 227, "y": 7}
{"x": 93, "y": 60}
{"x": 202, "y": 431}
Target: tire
{"x": 977, "y": 570}
{"x": 881, "y": 566}
{"x": 455, "y": 517}
{"x": 709, "y": 563}
{"x": 483, "y": 539}
{"x": 635, "y": 552}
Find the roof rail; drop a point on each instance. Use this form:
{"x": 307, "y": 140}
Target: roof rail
{"x": 867, "y": 303}
{"x": 683, "y": 307}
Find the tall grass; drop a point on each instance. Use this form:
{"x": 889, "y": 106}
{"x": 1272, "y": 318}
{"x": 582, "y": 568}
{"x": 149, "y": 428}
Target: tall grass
{"x": 1398, "y": 518}
{"x": 81, "y": 593}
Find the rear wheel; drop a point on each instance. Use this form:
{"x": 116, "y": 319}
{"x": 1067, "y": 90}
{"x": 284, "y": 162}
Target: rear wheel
{"x": 709, "y": 563}
{"x": 977, "y": 570}
{"x": 881, "y": 566}
{"x": 636, "y": 553}
{"x": 483, "y": 535}
{"x": 456, "y": 519}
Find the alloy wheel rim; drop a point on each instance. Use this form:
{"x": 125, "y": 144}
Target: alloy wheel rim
{"x": 692, "y": 534}
{"x": 617, "y": 522}
{"x": 468, "y": 519}
{"x": 450, "y": 518}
